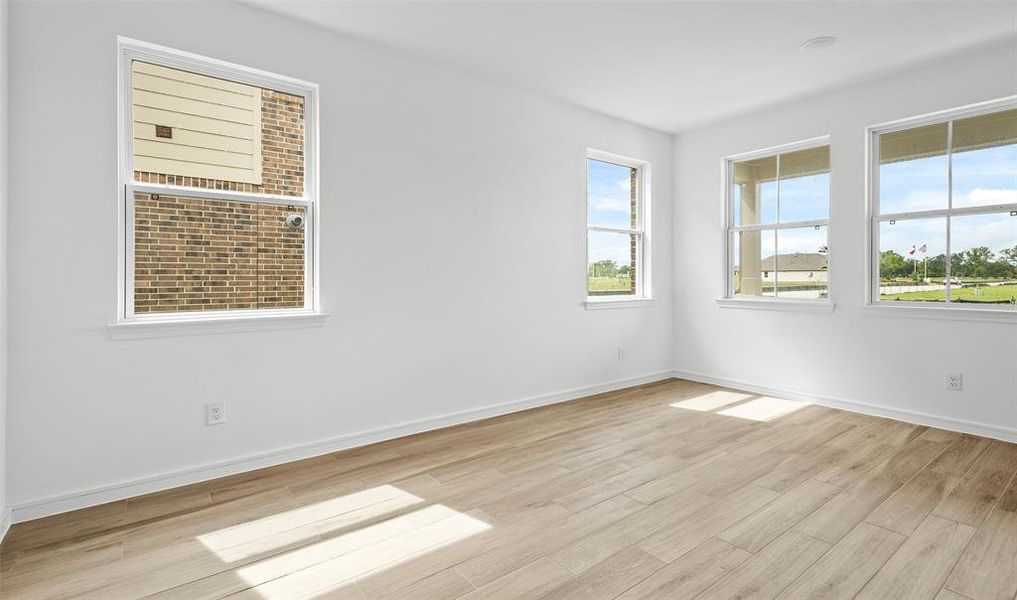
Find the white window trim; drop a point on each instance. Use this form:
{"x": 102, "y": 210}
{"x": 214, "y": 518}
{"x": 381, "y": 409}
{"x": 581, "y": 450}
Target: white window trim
{"x": 125, "y": 319}
{"x": 923, "y": 310}
{"x": 644, "y": 285}
{"x": 780, "y": 304}
{"x": 728, "y": 299}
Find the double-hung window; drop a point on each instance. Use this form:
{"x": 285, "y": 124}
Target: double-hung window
{"x": 777, "y": 211}
{"x": 218, "y": 189}
{"x": 943, "y": 194}
{"x": 617, "y": 248}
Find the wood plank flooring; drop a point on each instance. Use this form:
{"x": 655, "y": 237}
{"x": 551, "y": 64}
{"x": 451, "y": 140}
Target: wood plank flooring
{"x": 671, "y": 490}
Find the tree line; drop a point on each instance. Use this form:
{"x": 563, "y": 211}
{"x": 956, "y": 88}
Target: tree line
{"x": 978, "y": 262}
{"x": 608, "y": 268}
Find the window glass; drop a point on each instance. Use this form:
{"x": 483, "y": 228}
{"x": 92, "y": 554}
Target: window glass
{"x": 801, "y": 263}
{"x": 913, "y": 169}
{"x": 194, "y": 254}
{"x": 983, "y": 258}
{"x": 611, "y": 194}
{"x": 614, "y": 240}
{"x": 912, "y": 260}
{"x": 199, "y": 131}
{"x": 219, "y": 210}
{"x": 754, "y": 253}
{"x": 770, "y": 195}
{"x": 805, "y": 185}
{"x": 965, "y": 169}
{"x": 611, "y": 263}
{"x": 755, "y": 188}
{"x": 985, "y": 160}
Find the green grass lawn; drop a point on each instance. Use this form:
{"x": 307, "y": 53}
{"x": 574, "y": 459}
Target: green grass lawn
{"x": 603, "y": 285}
{"x": 987, "y": 294}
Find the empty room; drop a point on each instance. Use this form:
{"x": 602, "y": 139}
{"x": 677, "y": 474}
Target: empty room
{"x": 509, "y": 299}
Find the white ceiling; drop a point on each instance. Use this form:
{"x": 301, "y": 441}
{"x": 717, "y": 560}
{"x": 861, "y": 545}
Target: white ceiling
{"x": 668, "y": 65}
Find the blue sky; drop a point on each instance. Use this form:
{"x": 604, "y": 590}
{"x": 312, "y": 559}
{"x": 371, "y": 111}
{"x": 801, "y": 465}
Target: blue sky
{"x": 608, "y": 194}
{"x": 980, "y": 177}
{"x": 609, "y": 205}
{"x": 801, "y": 199}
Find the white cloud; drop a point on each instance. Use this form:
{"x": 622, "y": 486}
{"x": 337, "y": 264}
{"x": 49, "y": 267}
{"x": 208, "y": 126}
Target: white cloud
{"x": 606, "y": 246}
{"x": 915, "y": 200}
{"x": 611, "y": 205}
{"x": 983, "y": 196}
{"x": 791, "y": 241}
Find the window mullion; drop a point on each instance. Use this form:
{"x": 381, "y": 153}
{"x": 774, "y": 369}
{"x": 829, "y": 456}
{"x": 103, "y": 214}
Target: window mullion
{"x": 604, "y": 229}
{"x": 949, "y": 206}
{"x": 129, "y": 250}
{"x": 776, "y": 243}
{"x": 135, "y": 187}
{"x": 776, "y": 226}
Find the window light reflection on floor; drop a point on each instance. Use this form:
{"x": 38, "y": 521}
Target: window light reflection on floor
{"x": 335, "y": 563}
{"x": 712, "y": 401}
{"x": 306, "y": 522}
{"x": 763, "y": 409}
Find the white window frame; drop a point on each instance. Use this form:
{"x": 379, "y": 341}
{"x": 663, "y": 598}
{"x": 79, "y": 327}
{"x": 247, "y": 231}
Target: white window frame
{"x": 873, "y": 305}
{"x": 643, "y": 294}
{"x": 728, "y": 298}
{"x": 129, "y": 50}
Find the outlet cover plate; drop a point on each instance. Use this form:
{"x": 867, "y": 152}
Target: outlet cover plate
{"x": 215, "y": 413}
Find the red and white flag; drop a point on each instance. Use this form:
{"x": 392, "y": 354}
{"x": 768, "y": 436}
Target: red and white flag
{"x": 924, "y": 248}
{"x": 911, "y": 252}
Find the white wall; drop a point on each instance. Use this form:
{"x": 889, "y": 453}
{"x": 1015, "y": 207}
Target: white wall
{"x": 4, "y": 509}
{"x": 421, "y": 166}
{"x": 896, "y": 364}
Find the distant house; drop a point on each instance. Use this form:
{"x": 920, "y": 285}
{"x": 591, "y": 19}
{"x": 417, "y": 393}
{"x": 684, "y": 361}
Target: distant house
{"x": 798, "y": 266}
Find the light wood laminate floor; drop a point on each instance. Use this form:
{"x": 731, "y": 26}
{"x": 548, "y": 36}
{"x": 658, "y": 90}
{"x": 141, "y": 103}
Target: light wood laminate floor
{"x": 671, "y": 490}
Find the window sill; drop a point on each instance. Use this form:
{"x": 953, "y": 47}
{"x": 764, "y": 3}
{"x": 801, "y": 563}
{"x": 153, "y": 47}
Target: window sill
{"x": 911, "y": 310}
{"x": 177, "y": 326}
{"x": 810, "y": 306}
{"x": 617, "y": 302}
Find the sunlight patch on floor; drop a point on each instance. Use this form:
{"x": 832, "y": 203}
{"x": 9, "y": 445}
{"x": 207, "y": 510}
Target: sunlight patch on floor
{"x": 764, "y": 409}
{"x": 712, "y": 401}
{"x": 326, "y": 566}
{"x": 279, "y": 530}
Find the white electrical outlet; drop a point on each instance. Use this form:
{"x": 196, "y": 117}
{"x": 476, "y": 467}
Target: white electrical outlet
{"x": 954, "y": 382}
{"x": 215, "y": 413}
{"x": 621, "y": 353}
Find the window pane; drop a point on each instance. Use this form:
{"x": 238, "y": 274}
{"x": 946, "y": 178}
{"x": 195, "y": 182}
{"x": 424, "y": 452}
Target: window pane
{"x": 912, "y": 260}
{"x": 610, "y": 194}
{"x": 611, "y": 263}
{"x": 983, "y": 262}
{"x": 751, "y": 249}
{"x": 196, "y": 254}
{"x": 985, "y": 160}
{"x": 200, "y": 131}
{"x": 913, "y": 170}
{"x": 755, "y": 191}
{"x": 805, "y": 185}
{"x": 801, "y": 263}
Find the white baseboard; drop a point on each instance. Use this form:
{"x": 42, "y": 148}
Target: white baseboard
{"x": 981, "y": 429}
{"x": 35, "y": 509}
{"x": 6, "y": 520}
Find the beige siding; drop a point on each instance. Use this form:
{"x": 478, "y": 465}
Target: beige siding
{"x": 216, "y": 125}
